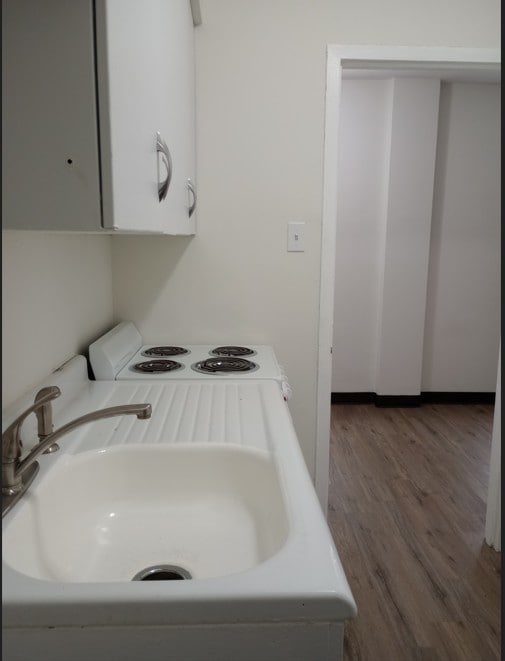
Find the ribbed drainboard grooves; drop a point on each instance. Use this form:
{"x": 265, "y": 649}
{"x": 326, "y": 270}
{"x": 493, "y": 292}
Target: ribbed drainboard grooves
{"x": 186, "y": 412}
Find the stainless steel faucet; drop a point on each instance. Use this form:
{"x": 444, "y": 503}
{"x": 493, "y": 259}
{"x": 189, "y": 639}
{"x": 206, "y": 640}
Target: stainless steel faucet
{"x": 17, "y": 472}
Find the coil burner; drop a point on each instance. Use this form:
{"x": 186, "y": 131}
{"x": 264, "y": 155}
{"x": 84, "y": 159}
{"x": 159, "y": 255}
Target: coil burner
{"x": 232, "y": 351}
{"x": 165, "y": 351}
{"x": 157, "y": 366}
{"x": 225, "y": 364}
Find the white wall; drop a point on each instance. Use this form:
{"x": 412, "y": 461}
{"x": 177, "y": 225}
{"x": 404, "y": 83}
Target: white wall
{"x": 462, "y": 327}
{"x": 260, "y": 136}
{"x": 414, "y": 121}
{"x": 364, "y": 140}
{"x": 56, "y": 298}
{"x": 462, "y": 331}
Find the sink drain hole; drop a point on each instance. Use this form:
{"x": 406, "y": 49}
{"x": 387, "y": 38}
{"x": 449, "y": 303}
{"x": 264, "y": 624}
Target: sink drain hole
{"x": 162, "y": 573}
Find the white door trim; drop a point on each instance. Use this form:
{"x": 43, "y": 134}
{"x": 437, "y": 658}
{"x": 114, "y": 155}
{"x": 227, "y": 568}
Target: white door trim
{"x": 475, "y": 61}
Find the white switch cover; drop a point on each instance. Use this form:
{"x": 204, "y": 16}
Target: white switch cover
{"x": 296, "y": 239}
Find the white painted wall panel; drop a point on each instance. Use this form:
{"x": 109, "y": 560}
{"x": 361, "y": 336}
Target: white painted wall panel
{"x": 414, "y": 124}
{"x": 56, "y": 298}
{"x": 463, "y": 314}
{"x": 364, "y": 137}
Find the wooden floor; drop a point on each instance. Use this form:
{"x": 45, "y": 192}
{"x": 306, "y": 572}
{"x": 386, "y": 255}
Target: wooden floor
{"x": 407, "y": 506}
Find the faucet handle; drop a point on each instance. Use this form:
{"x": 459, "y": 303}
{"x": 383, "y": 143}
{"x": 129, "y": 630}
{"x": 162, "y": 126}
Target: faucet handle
{"x": 46, "y": 394}
{"x": 44, "y": 414}
{"x": 11, "y": 438}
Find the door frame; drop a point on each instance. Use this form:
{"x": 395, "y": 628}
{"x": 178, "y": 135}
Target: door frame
{"x": 477, "y": 64}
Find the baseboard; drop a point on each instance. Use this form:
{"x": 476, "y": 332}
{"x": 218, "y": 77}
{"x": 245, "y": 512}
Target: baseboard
{"x": 374, "y": 398}
{"x": 458, "y": 397}
{"x": 402, "y": 401}
{"x": 353, "y": 397}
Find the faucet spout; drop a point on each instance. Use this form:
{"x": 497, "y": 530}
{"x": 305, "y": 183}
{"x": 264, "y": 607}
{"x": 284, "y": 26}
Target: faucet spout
{"x": 13, "y": 467}
{"x": 142, "y": 411}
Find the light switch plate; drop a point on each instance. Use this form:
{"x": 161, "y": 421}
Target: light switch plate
{"x": 296, "y": 237}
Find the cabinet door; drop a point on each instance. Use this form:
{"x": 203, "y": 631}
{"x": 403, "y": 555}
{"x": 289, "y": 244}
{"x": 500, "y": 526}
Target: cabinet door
{"x": 146, "y": 87}
{"x": 180, "y": 116}
{"x": 49, "y": 127}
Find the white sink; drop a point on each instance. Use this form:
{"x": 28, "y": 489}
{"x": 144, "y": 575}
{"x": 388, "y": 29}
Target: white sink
{"x": 214, "y": 483}
{"x": 107, "y": 515}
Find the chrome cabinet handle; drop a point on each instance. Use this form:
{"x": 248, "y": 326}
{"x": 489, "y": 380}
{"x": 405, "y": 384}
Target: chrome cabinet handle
{"x": 192, "y": 190}
{"x": 163, "y": 153}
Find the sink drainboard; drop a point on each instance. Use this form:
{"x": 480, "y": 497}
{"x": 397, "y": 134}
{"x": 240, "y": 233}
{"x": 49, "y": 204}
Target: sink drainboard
{"x": 162, "y": 573}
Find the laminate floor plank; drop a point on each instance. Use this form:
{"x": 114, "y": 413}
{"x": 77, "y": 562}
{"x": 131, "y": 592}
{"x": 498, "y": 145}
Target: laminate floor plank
{"x": 407, "y": 506}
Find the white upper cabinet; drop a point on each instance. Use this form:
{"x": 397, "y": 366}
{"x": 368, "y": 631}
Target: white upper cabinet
{"x": 99, "y": 116}
{"x": 145, "y": 59}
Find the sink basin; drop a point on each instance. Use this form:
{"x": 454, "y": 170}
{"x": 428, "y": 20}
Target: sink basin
{"x": 215, "y": 484}
{"x": 106, "y": 515}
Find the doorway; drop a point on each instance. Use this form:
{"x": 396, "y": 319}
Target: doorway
{"x": 482, "y": 65}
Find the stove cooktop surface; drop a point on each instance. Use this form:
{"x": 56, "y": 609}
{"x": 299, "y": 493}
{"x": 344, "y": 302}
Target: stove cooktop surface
{"x": 202, "y": 361}
{"x": 122, "y": 354}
